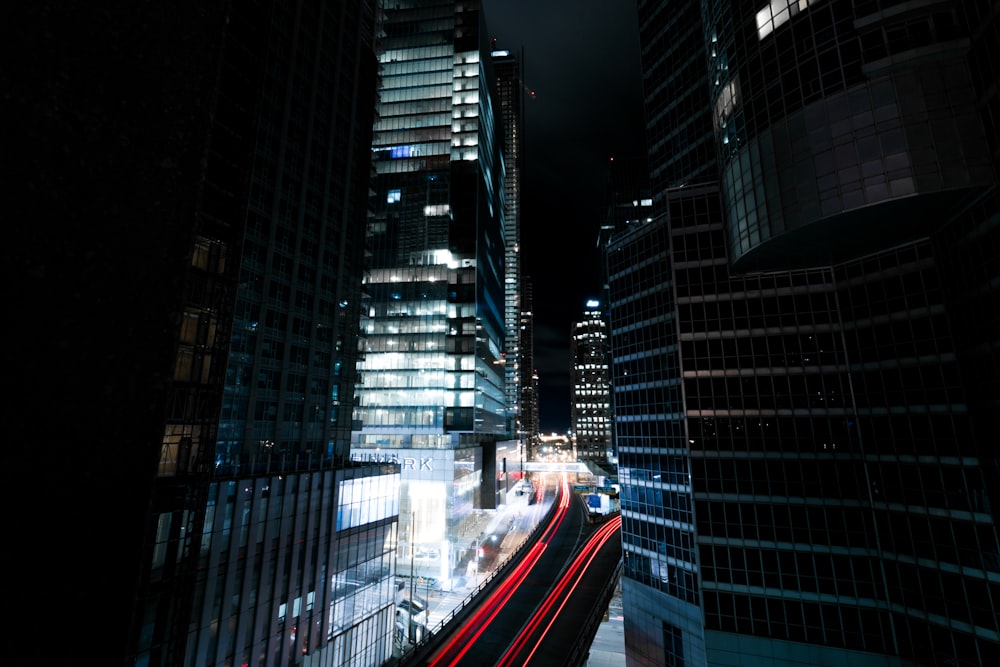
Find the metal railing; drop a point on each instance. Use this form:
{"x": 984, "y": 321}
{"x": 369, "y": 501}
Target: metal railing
{"x": 435, "y": 635}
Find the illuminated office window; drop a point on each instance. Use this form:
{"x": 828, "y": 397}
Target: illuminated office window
{"x": 777, "y": 13}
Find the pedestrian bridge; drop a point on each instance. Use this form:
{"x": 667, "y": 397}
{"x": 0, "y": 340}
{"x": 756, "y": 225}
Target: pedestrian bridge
{"x": 556, "y": 466}
{"x": 575, "y": 467}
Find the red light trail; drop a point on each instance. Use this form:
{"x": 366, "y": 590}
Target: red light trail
{"x": 526, "y": 645}
{"x": 470, "y": 630}
{"x": 561, "y": 594}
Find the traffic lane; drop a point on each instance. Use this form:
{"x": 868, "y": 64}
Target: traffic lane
{"x": 585, "y": 601}
{"x": 491, "y": 645}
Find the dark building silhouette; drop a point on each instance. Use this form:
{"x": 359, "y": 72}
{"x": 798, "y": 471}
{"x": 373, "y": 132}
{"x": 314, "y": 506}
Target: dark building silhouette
{"x": 198, "y": 179}
{"x": 805, "y": 337}
{"x": 529, "y": 377}
{"x": 629, "y": 195}
{"x": 629, "y": 203}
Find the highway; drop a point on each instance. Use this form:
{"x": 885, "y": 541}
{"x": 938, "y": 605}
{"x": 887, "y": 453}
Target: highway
{"x": 545, "y": 608}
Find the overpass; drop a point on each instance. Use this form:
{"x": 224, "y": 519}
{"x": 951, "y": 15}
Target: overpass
{"x": 577, "y": 467}
{"x": 572, "y": 467}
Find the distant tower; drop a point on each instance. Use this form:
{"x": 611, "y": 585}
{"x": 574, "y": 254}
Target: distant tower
{"x": 590, "y": 385}
{"x": 509, "y": 71}
{"x": 529, "y": 378}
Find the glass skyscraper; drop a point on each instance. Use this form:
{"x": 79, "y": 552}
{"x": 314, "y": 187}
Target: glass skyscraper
{"x": 206, "y": 174}
{"x": 529, "y": 378}
{"x": 510, "y": 103}
{"x": 432, "y": 391}
{"x": 256, "y": 502}
{"x": 590, "y": 385}
{"x": 805, "y": 337}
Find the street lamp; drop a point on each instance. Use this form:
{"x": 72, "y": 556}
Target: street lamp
{"x": 412, "y": 606}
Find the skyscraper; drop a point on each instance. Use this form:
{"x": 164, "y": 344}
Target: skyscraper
{"x": 629, "y": 196}
{"x": 803, "y": 337}
{"x": 590, "y": 385}
{"x": 510, "y": 102}
{"x": 630, "y": 203}
{"x": 529, "y": 378}
{"x": 432, "y": 394}
{"x": 207, "y": 172}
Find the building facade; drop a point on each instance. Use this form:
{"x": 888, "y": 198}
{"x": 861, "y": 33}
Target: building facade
{"x": 630, "y": 204}
{"x": 802, "y": 336}
{"x": 211, "y": 179}
{"x": 529, "y": 377}
{"x": 433, "y": 375}
{"x": 590, "y": 385}
{"x": 282, "y": 346}
{"x": 510, "y": 99}
{"x": 629, "y": 195}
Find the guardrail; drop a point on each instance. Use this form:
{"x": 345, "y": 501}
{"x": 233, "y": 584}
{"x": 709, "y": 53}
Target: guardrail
{"x": 581, "y": 648}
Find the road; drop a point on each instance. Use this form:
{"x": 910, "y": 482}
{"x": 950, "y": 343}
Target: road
{"x": 549, "y": 601}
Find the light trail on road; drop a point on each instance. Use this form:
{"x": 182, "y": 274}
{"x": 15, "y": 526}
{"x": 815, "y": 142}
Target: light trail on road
{"x": 462, "y": 639}
{"x": 520, "y": 651}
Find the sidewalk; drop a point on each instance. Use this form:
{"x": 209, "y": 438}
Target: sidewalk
{"x": 608, "y": 647}
{"x": 511, "y": 524}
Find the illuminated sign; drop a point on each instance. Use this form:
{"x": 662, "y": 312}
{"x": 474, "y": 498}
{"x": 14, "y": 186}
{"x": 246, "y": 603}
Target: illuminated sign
{"x": 406, "y": 463}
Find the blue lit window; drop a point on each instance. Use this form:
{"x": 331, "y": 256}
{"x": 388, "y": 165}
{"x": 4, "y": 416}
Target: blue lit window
{"x": 393, "y": 197}
{"x": 399, "y": 151}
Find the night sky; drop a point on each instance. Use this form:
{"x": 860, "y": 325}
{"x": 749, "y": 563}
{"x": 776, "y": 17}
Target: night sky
{"x": 581, "y": 57}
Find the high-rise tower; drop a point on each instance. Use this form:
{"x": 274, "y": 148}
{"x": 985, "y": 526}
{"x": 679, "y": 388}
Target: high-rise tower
{"x": 205, "y": 176}
{"x": 529, "y": 378}
{"x": 630, "y": 204}
{"x": 510, "y": 105}
{"x": 432, "y": 393}
{"x": 804, "y": 337}
{"x": 590, "y": 385}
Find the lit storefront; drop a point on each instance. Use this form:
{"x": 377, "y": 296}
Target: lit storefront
{"x": 439, "y": 495}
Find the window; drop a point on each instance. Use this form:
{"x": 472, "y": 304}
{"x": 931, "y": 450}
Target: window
{"x": 673, "y": 646}
{"x": 777, "y": 13}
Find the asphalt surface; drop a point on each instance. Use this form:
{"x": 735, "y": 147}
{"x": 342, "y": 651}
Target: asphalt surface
{"x": 514, "y": 523}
